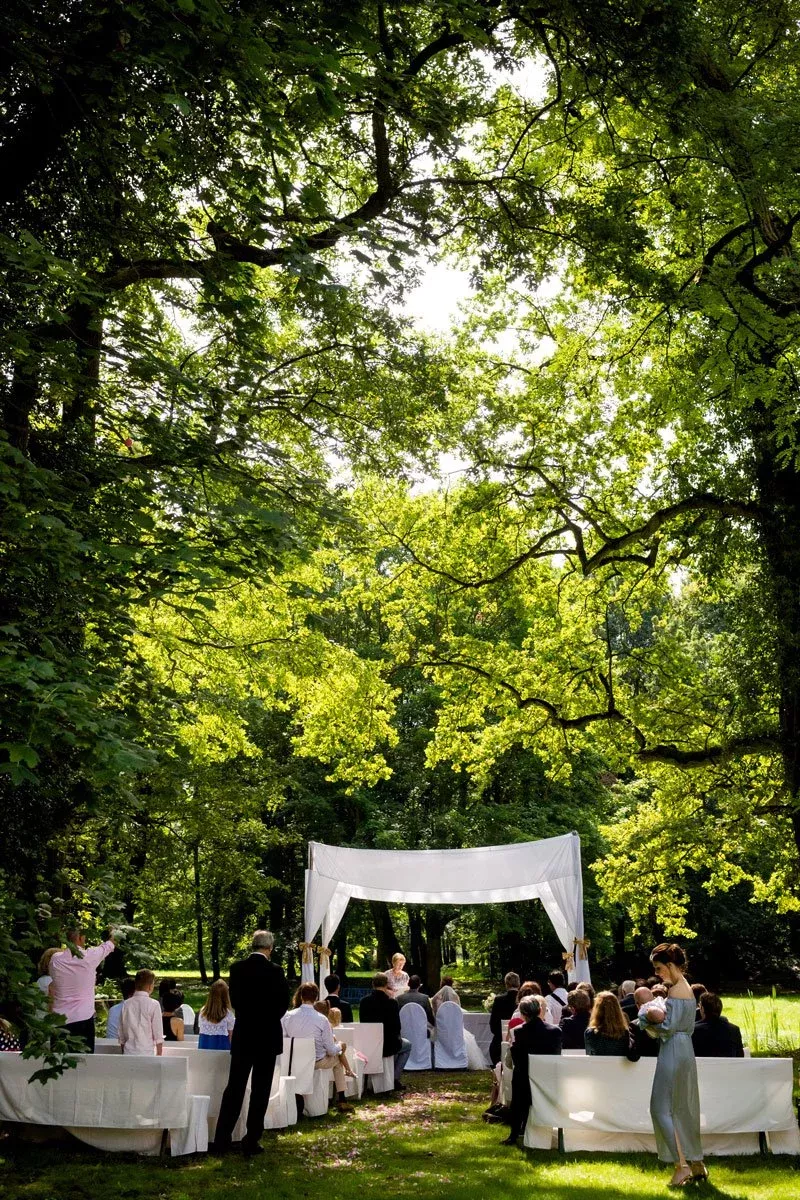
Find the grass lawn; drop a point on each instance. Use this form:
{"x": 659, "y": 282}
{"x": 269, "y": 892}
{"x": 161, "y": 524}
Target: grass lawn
{"x": 431, "y": 1144}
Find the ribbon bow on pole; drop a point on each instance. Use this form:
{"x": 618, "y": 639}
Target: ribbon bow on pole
{"x": 324, "y": 958}
{"x": 583, "y": 945}
{"x": 308, "y": 949}
{"x": 569, "y": 961}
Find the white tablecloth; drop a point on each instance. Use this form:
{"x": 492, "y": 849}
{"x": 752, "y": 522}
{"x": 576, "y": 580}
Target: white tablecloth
{"x": 603, "y": 1103}
{"x": 110, "y": 1101}
{"x": 478, "y": 1023}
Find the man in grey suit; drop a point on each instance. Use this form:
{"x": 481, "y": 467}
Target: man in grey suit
{"x": 415, "y": 996}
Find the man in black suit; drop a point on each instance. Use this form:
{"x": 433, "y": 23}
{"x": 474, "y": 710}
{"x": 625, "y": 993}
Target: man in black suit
{"x": 714, "y": 1036}
{"x": 260, "y": 997}
{"x": 503, "y": 1009}
{"x": 573, "y": 1026}
{"x": 626, "y": 998}
{"x": 332, "y": 985}
{"x": 381, "y": 1008}
{"x": 534, "y": 1037}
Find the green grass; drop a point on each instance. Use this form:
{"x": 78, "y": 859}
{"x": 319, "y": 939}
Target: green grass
{"x": 431, "y": 1144}
{"x": 769, "y": 1024}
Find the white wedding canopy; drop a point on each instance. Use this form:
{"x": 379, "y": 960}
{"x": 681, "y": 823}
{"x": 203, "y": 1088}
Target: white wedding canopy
{"x": 549, "y": 870}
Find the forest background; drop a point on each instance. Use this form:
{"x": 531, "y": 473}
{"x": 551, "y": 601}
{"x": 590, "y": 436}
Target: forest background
{"x": 281, "y": 563}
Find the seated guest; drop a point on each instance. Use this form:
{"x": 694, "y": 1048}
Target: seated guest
{"x": 503, "y": 1008}
{"x": 332, "y": 985}
{"x": 584, "y": 986}
{"x": 45, "y": 978}
{"x": 216, "y": 1021}
{"x": 415, "y": 996}
{"x": 714, "y": 1036}
{"x": 8, "y": 1039}
{"x": 529, "y": 988}
{"x": 306, "y": 1022}
{"x": 446, "y": 992}
{"x": 381, "y": 1008}
{"x": 573, "y": 1026}
{"x": 608, "y": 1031}
{"x": 171, "y": 1017}
{"x": 334, "y": 1019}
{"x": 74, "y": 974}
{"x": 166, "y": 985}
{"x": 127, "y": 987}
{"x": 699, "y": 990}
{"x": 398, "y": 978}
{"x": 533, "y": 1037}
{"x": 626, "y": 1000}
{"x": 647, "y": 1045}
{"x": 140, "y": 1030}
{"x": 556, "y": 999}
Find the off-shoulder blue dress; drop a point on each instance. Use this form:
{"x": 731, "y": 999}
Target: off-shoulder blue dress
{"x": 674, "y": 1100}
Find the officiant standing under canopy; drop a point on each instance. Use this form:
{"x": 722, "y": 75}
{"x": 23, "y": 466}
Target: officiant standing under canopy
{"x": 398, "y": 978}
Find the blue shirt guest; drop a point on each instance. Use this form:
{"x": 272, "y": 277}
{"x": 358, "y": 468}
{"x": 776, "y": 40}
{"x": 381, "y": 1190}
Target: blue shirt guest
{"x": 127, "y": 987}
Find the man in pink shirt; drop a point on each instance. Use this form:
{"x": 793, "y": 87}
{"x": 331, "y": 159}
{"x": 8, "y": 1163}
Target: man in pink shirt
{"x": 74, "y": 973}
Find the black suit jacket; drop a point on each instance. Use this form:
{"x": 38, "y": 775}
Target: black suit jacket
{"x": 260, "y": 997}
{"x": 380, "y": 1009}
{"x": 534, "y": 1037}
{"x": 573, "y": 1029}
{"x": 503, "y": 1008}
{"x": 717, "y": 1039}
{"x": 629, "y": 1007}
{"x": 343, "y": 1007}
{"x": 417, "y": 998}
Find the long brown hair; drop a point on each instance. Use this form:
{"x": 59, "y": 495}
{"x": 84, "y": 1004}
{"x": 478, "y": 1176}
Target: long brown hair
{"x": 217, "y": 1006}
{"x": 607, "y": 1016}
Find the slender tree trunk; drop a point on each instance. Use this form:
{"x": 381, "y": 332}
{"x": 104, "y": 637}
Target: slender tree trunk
{"x": 215, "y": 973}
{"x": 779, "y": 495}
{"x": 339, "y": 949}
{"x": 417, "y": 947}
{"x": 385, "y": 934}
{"x": 198, "y": 914}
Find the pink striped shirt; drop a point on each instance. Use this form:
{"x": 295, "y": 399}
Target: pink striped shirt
{"x": 73, "y": 976}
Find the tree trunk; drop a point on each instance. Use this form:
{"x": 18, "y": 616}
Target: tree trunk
{"x": 435, "y": 922}
{"x": 339, "y": 949}
{"x": 779, "y": 495}
{"x": 417, "y": 946}
{"x": 215, "y": 973}
{"x": 385, "y": 934}
{"x": 198, "y": 915}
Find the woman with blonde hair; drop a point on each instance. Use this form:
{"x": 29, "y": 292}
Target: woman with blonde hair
{"x": 45, "y": 979}
{"x": 216, "y": 1020}
{"x": 608, "y": 1031}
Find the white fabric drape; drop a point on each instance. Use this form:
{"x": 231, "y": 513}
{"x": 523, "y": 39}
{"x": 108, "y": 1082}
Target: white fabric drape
{"x": 548, "y": 870}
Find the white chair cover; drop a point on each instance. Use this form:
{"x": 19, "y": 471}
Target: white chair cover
{"x": 317, "y": 1100}
{"x": 367, "y": 1038}
{"x": 449, "y": 1052}
{"x": 414, "y": 1025}
{"x": 298, "y": 1060}
{"x": 383, "y": 1082}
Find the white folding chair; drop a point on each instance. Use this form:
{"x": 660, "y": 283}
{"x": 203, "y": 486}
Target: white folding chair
{"x": 449, "y": 1051}
{"x": 414, "y": 1025}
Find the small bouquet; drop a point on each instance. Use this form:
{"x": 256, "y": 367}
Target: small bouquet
{"x": 489, "y": 1001}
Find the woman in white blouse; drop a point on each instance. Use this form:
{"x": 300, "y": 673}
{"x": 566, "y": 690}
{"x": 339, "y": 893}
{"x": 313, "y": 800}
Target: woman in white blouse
{"x": 398, "y": 978}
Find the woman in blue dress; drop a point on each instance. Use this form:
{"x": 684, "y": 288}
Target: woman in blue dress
{"x": 216, "y": 1020}
{"x": 674, "y": 1101}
